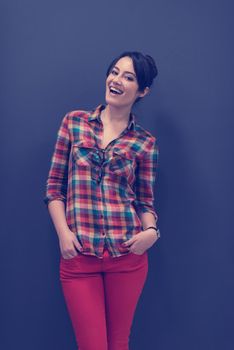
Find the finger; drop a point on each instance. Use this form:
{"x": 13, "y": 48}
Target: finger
{"x": 77, "y": 244}
{"x": 71, "y": 253}
{"x": 128, "y": 243}
{"x": 70, "y": 256}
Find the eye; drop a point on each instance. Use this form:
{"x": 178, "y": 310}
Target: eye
{"x": 129, "y": 78}
{"x": 114, "y": 72}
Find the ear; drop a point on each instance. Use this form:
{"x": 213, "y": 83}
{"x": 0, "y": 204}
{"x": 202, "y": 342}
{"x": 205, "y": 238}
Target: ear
{"x": 145, "y": 92}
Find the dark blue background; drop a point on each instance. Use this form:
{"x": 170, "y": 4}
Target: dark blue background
{"x": 54, "y": 58}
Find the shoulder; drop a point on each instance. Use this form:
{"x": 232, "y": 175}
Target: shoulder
{"x": 75, "y": 122}
{"x": 145, "y": 135}
{"x": 147, "y": 143}
{"x": 74, "y": 119}
{"x": 77, "y": 115}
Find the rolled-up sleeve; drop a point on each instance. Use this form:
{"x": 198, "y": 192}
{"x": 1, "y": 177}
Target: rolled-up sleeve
{"x": 56, "y": 185}
{"x": 144, "y": 184}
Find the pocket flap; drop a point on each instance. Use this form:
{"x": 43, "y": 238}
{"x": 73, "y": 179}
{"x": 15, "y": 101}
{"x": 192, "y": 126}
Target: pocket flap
{"x": 84, "y": 143}
{"x": 123, "y": 153}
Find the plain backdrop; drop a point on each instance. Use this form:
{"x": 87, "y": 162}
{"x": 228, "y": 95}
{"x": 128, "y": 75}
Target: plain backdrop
{"x": 54, "y": 56}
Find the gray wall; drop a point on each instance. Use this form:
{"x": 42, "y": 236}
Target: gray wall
{"x": 54, "y": 59}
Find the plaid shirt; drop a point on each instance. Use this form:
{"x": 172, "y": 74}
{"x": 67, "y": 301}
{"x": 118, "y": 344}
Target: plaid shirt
{"x": 103, "y": 189}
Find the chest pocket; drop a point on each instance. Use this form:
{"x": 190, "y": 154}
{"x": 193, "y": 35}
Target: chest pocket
{"x": 122, "y": 163}
{"x": 84, "y": 153}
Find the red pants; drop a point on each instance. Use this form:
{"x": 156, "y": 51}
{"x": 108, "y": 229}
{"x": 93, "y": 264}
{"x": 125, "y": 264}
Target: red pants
{"x": 101, "y": 297}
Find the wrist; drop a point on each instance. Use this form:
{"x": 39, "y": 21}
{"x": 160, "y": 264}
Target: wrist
{"x": 153, "y": 229}
{"x": 64, "y": 233}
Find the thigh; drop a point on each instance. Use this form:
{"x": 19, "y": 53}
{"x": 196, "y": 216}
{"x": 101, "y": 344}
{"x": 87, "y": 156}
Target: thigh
{"x": 123, "y": 285}
{"x": 84, "y": 296}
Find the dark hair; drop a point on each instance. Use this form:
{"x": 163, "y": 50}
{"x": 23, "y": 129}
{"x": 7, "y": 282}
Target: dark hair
{"x": 144, "y": 66}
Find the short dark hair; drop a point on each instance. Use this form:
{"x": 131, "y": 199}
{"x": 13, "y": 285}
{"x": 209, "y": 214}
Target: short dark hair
{"x": 144, "y": 66}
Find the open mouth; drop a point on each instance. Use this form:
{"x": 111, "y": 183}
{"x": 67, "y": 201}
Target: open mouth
{"x": 115, "y": 91}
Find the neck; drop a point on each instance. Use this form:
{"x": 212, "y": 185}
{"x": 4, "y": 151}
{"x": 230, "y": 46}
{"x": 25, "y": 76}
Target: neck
{"x": 116, "y": 115}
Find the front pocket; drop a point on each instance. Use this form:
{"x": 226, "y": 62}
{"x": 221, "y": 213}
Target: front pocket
{"x": 137, "y": 254}
{"x": 121, "y": 163}
{"x": 71, "y": 259}
{"x": 84, "y": 153}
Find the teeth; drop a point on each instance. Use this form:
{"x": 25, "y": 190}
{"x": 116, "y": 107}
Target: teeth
{"x": 114, "y": 89}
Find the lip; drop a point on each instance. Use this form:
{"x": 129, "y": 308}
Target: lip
{"x": 115, "y": 87}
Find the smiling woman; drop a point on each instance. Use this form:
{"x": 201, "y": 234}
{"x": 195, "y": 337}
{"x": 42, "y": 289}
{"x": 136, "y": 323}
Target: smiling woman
{"x": 100, "y": 195}
{"x": 133, "y": 67}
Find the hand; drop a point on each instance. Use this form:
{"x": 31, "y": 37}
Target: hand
{"x": 68, "y": 243}
{"x": 142, "y": 241}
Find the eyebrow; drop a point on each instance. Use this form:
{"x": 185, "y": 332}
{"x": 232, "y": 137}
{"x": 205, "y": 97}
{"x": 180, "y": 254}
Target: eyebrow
{"x": 126, "y": 71}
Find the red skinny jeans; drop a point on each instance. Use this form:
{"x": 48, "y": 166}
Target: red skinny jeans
{"x": 101, "y": 296}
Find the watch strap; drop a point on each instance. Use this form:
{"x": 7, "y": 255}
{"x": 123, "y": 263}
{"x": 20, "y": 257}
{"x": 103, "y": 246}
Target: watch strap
{"x": 156, "y": 229}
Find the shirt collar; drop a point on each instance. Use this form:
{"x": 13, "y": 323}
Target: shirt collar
{"x": 95, "y": 115}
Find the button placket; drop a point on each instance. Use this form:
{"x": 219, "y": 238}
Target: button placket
{"x": 98, "y": 170}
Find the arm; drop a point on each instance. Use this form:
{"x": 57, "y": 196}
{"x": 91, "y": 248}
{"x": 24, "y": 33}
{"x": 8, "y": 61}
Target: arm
{"x": 56, "y": 191}
{"x": 144, "y": 202}
{"x": 144, "y": 185}
{"x": 57, "y": 213}
{"x": 147, "y": 219}
{"x": 67, "y": 239}
{"x": 56, "y": 186}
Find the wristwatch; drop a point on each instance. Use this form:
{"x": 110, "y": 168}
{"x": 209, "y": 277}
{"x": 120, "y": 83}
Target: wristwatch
{"x": 156, "y": 229}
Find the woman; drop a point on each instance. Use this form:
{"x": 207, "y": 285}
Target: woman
{"x": 100, "y": 198}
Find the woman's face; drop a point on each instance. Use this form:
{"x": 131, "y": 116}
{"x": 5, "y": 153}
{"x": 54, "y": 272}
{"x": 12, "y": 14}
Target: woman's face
{"x": 123, "y": 77}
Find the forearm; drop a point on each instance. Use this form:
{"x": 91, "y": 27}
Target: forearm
{"x": 147, "y": 219}
{"x": 57, "y": 212}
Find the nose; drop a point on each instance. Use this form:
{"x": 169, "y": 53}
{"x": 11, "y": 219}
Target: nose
{"x": 117, "y": 79}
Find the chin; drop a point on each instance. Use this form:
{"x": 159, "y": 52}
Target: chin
{"x": 112, "y": 101}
